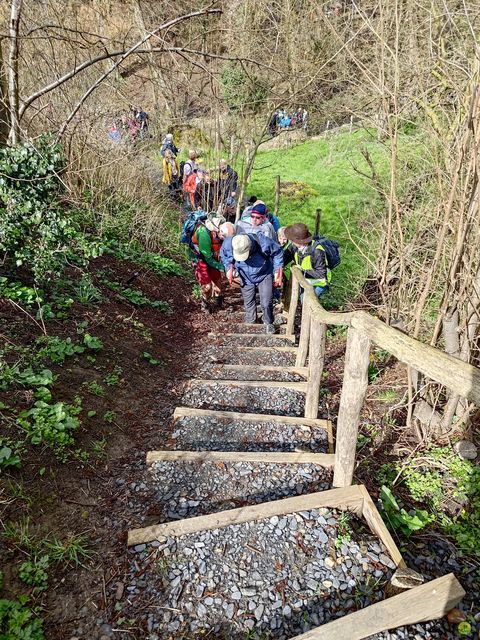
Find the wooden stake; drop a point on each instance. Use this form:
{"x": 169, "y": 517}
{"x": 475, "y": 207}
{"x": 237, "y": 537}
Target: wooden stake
{"x": 277, "y": 196}
{"x": 304, "y": 335}
{"x": 318, "y": 217}
{"x": 355, "y": 382}
{"x": 316, "y": 357}
{"x": 292, "y": 307}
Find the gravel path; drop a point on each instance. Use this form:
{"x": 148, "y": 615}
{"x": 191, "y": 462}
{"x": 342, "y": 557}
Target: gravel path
{"x": 224, "y": 373}
{"x": 213, "y": 434}
{"x": 285, "y": 402}
{"x": 241, "y": 327}
{"x": 222, "y": 354}
{"x": 186, "y": 489}
{"x": 254, "y": 340}
{"x": 280, "y": 576}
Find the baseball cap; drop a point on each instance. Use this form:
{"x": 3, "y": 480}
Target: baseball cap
{"x": 241, "y": 246}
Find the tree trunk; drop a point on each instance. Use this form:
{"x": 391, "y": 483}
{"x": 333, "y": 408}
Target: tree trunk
{"x": 4, "y": 110}
{"x": 14, "y": 101}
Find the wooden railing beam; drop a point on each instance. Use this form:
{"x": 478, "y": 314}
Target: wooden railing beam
{"x": 292, "y": 307}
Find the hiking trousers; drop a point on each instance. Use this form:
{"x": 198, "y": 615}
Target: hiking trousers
{"x": 265, "y": 291}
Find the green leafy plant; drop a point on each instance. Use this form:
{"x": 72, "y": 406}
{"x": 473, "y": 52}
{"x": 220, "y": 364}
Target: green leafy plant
{"x": 36, "y": 231}
{"x": 92, "y": 342}
{"x": 110, "y": 416}
{"x": 94, "y": 388}
{"x": 344, "y": 533}
{"x": 71, "y": 551}
{"x": 10, "y": 452}
{"x": 85, "y": 291}
{"x": 19, "y": 622}
{"x": 113, "y": 378}
{"x": 51, "y": 424}
{"x": 397, "y": 518}
{"x": 34, "y": 572}
{"x": 57, "y": 349}
{"x": 19, "y": 292}
{"x": 150, "y": 359}
{"x": 136, "y": 297}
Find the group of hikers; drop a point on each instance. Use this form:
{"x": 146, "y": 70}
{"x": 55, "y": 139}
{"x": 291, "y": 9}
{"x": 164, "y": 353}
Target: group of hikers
{"x": 256, "y": 253}
{"x": 196, "y": 186}
{"x": 129, "y": 127}
{"x": 282, "y": 120}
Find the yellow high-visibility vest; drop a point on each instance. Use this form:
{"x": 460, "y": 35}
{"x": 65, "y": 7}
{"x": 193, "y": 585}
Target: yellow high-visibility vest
{"x": 305, "y": 265}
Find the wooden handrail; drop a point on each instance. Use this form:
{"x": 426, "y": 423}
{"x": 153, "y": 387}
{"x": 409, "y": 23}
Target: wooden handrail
{"x": 459, "y": 376}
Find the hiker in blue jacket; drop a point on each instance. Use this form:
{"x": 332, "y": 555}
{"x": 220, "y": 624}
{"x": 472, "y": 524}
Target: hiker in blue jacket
{"x": 258, "y": 260}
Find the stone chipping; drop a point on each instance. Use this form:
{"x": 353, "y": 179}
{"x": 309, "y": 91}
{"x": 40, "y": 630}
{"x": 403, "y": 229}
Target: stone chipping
{"x": 278, "y": 401}
{"x": 186, "y": 489}
{"x": 217, "y": 434}
{"x": 278, "y": 577}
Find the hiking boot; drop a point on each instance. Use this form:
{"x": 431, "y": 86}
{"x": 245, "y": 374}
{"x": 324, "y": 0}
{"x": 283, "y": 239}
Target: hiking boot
{"x": 204, "y": 306}
{"x": 269, "y": 328}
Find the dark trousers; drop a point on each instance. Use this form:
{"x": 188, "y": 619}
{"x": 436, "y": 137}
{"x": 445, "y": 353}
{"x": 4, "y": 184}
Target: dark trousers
{"x": 265, "y": 291}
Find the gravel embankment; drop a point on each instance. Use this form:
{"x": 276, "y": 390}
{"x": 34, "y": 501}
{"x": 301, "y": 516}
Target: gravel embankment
{"x": 253, "y": 340}
{"x": 187, "y": 489}
{"x": 279, "y": 401}
{"x": 280, "y": 576}
{"x": 214, "y": 434}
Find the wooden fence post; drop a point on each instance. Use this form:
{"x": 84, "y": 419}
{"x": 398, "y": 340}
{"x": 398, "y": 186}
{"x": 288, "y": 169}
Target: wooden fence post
{"x": 292, "y": 307}
{"x": 355, "y": 382}
{"x": 277, "y": 196}
{"x": 304, "y": 334}
{"x": 318, "y": 217}
{"x": 316, "y": 357}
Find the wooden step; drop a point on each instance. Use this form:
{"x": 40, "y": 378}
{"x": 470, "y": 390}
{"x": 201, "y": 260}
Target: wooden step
{"x": 189, "y": 412}
{"x": 428, "y": 601}
{"x": 321, "y": 459}
{"x": 265, "y": 384}
{"x": 274, "y": 336}
{"x": 252, "y": 372}
{"x": 354, "y": 498}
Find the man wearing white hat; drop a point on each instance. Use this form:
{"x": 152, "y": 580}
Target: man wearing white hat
{"x": 258, "y": 261}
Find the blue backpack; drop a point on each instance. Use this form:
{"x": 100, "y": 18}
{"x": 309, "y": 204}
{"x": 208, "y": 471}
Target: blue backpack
{"x": 332, "y": 251}
{"x": 191, "y": 223}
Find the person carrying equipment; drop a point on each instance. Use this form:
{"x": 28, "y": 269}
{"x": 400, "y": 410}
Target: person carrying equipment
{"x": 205, "y": 253}
{"x": 256, "y": 259}
{"x": 168, "y": 144}
{"x": 310, "y": 256}
{"x": 188, "y": 171}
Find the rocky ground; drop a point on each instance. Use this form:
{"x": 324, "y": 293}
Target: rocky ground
{"x": 215, "y": 434}
{"x": 280, "y": 576}
{"x": 281, "y": 401}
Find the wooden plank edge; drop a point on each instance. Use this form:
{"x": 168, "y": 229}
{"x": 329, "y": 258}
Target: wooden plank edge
{"x": 428, "y": 601}
{"x": 276, "y": 336}
{"x": 347, "y": 498}
{"x": 235, "y": 347}
{"x": 269, "y": 457}
{"x": 376, "y": 524}
{"x": 266, "y": 384}
{"x": 330, "y": 440}
{"x": 185, "y": 412}
{"x": 301, "y": 371}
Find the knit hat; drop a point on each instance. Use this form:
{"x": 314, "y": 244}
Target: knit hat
{"x": 298, "y": 233}
{"x": 260, "y": 209}
{"x": 241, "y": 247}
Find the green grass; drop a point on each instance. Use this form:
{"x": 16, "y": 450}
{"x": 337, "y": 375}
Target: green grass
{"x": 345, "y": 198}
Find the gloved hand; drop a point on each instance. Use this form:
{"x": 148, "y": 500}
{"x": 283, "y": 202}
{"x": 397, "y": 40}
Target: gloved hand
{"x": 278, "y": 277}
{"x": 230, "y": 274}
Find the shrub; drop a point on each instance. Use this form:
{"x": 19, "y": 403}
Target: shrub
{"x": 36, "y": 231}
{"x": 18, "y": 622}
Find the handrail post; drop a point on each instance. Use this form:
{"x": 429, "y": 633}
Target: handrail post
{"x": 292, "y": 307}
{"x": 304, "y": 334}
{"x": 355, "y": 382}
{"x": 316, "y": 358}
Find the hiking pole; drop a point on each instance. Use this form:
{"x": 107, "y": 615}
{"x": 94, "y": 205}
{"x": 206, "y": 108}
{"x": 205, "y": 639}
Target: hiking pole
{"x": 317, "y": 222}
